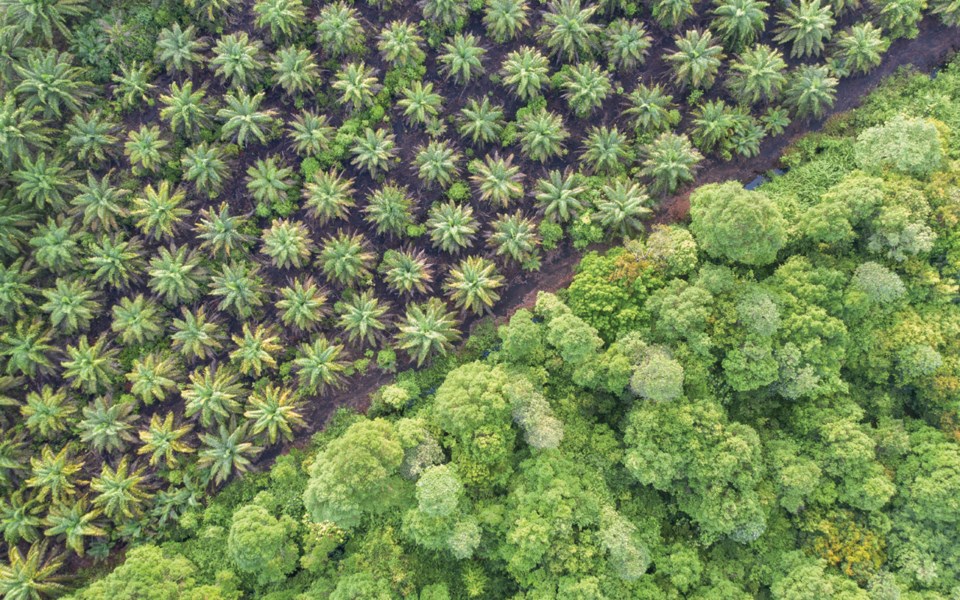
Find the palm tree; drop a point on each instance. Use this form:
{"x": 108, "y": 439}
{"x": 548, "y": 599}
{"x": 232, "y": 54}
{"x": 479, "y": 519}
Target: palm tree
{"x": 214, "y": 393}
{"x": 481, "y": 121}
{"x": 310, "y": 133}
{"x": 748, "y": 133}
{"x": 651, "y": 109}
{"x": 444, "y": 13}
{"x": 146, "y": 149}
{"x": 133, "y": 84}
{"x": 48, "y": 413}
{"x": 473, "y": 283}
{"x": 244, "y": 119}
{"x": 436, "y": 163}
{"x": 287, "y": 243}
{"x": 221, "y": 232}
{"x": 670, "y": 162}
{"x": 237, "y": 60}
{"x": 420, "y": 103}
{"x": 54, "y": 475}
{"x": 586, "y": 86}
{"x": 696, "y": 60}
{"x": 949, "y": 11}
{"x": 75, "y": 521}
{"x": 758, "y": 75}
{"x": 255, "y": 349}
{"x": 428, "y": 328}
{"x": 339, "y": 31}
{"x": 120, "y": 491}
{"x": 26, "y": 348}
{"x": 389, "y": 210}
{"x": 178, "y": 49}
{"x": 99, "y": 202}
{"x": 713, "y": 123}
{"x": 775, "y": 120}
{"x": 362, "y": 318}
{"x": 357, "y": 85}
{"x": 226, "y": 452}
{"x": 267, "y": 181}
{"x": 176, "y": 274}
{"x": 861, "y": 48}
{"x": 91, "y": 137}
{"x": 899, "y": 18}
{"x": 303, "y": 304}
{"x": 567, "y": 30}
{"x": 15, "y": 290}
{"x": 295, "y": 70}
{"x": 91, "y": 368}
{"x": 43, "y": 18}
{"x": 452, "y": 226}
{"x": 670, "y": 14}
{"x": 627, "y": 43}
{"x": 407, "y": 272}
{"x": 21, "y": 133}
{"x": 515, "y": 237}
{"x": 560, "y": 195}
{"x": 497, "y": 179}
{"x": 18, "y": 513}
{"x": 43, "y": 182}
{"x": 542, "y": 135}
{"x": 15, "y": 219}
{"x": 153, "y": 377}
{"x": 185, "y": 109}
{"x": 739, "y": 22}
{"x": 162, "y": 440}
{"x": 606, "y": 150}
{"x": 70, "y": 304}
{"x": 275, "y": 412}
{"x": 399, "y": 44}
{"x": 462, "y": 58}
{"x": 206, "y": 166}
{"x": 811, "y": 91}
{"x": 525, "y": 72}
{"x": 329, "y": 196}
{"x": 345, "y": 259}
{"x": 622, "y": 207}
{"x": 505, "y": 19}
{"x": 374, "y": 151}
{"x": 114, "y": 261}
{"x": 239, "y": 287}
{"x": 136, "y": 320}
{"x": 195, "y": 335}
{"x": 32, "y": 577}
{"x": 107, "y": 426}
{"x": 55, "y": 245}
{"x": 282, "y": 17}
{"x": 806, "y": 25}
{"x": 158, "y": 210}
{"x": 49, "y": 82}
{"x": 318, "y": 365}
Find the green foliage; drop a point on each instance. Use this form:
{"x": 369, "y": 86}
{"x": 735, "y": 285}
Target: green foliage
{"x": 737, "y": 225}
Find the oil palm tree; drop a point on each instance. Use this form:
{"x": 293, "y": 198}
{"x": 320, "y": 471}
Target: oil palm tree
{"x": 75, "y": 522}
{"x": 374, "y": 151}
{"x": 670, "y": 162}
{"x": 226, "y": 452}
{"x": 811, "y": 91}
{"x": 399, "y": 44}
{"x": 949, "y": 11}
{"x": 114, "y": 261}
{"x": 179, "y": 49}
{"x": 622, "y": 207}
{"x": 899, "y": 18}
{"x": 606, "y": 150}
{"x": 239, "y": 287}
{"x": 237, "y": 60}
{"x": 185, "y": 109}
{"x": 498, "y": 180}
{"x": 525, "y": 72}
{"x": 56, "y": 245}
{"x": 505, "y": 19}
{"x": 310, "y": 133}
{"x": 542, "y": 135}
{"x": 19, "y": 515}
{"x": 567, "y": 30}
{"x": 43, "y": 19}
{"x": 48, "y": 413}
{"x": 107, "y": 426}
{"x": 472, "y": 285}
{"x": 50, "y": 83}
{"x": 561, "y": 195}
{"x": 136, "y": 320}
{"x": 436, "y": 163}
{"x": 713, "y": 123}
{"x": 243, "y": 119}
{"x": 515, "y": 237}
{"x": 345, "y": 259}
{"x": 339, "y": 30}
{"x": 21, "y": 132}
{"x": 16, "y": 291}
{"x": 860, "y": 49}
{"x": 775, "y": 120}
{"x": 133, "y": 84}
{"x": 267, "y": 181}
{"x": 196, "y": 335}
{"x": 26, "y": 348}
{"x": 221, "y": 232}
{"x": 419, "y": 103}
{"x": 807, "y": 25}
{"x": 15, "y": 218}
{"x": 428, "y": 328}
{"x": 748, "y": 133}
{"x": 91, "y": 137}
{"x": 282, "y": 17}
{"x": 626, "y": 43}
{"x": 462, "y": 58}
{"x": 158, "y": 211}
{"x": 696, "y": 60}
{"x": 407, "y": 272}
{"x": 452, "y": 226}
{"x": 444, "y": 13}
{"x": 99, "y": 203}
{"x": 153, "y": 377}
{"x": 357, "y": 85}
{"x": 206, "y": 166}
{"x": 176, "y": 275}
{"x": 295, "y": 70}
{"x": 758, "y": 75}
{"x": 214, "y": 393}
{"x": 120, "y": 492}
{"x": 302, "y": 304}
{"x": 44, "y": 182}
{"x": 361, "y": 317}
{"x": 651, "y": 109}
{"x": 389, "y": 210}
{"x": 481, "y": 122}
{"x": 146, "y": 149}
{"x": 274, "y": 412}
{"x": 739, "y": 22}
{"x": 329, "y": 196}
{"x": 54, "y": 475}
{"x": 70, "y": 304}
{"x": 586, "y": 86}
{"x": 287, "y": 243}
{"x": 319, "y": 365}
{"x": 164, "y": 441}
{"x": 33, "y": 576}
{"x": 255, "y": 350}
{"x": 90, "y": 367}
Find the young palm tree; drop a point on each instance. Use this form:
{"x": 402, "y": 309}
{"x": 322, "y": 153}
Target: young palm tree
{"x": 627, "y": 43}
{"x": 158, "y": 211}
{"x": 55, "y": 245}
{"x": 226, "y": 452}
{"x": 357, "y": 85}
{"x": 339, "y": 30}
{"x": 255, "y": 349}
{"x": 179, "y": 49}
{"x": 389, "y": 210}
{"x": 861, "y": 48}
{"x": 542, "y": 135}
{"x": 26, "y": 348}
{"x": 152, "y": 378}
{"x": 196, "y": 335}
{"x": 237, "y": 60}
{"x": 302, "y": 304}
{"x": 505, "y": 19}
{"x": 146, "y": 149}
{"x": 49, "y": 413}
{"x": 16, "y": 290}
{"x": 43, "y": 182}
{"x": 295, "y": 70}
{"x": 33, "y": 576}
{"x": 420, "y": 103}
{"x": 462, "y": 58}
{"x": 428, "y": 328}
{"x": 319, "y": 366}
{"x": 806, "y": 25}
{"x": 205, "y": 165}
{"x": 606, "y": 150}
{"x": 444, "y": 13}
{"x": 374, "y": 151}
{"x": 274, "y": 412}
{"x": 75, "y": 522}
{"x": 739, "y": 22}
{"x": 23, "y": 133}
{"x": 670, "y": 162}
{"x": 899, "y": 18}
{"x": 776, "y": 120}
{"x": 50, "y": 83}
{"x": 91, "y": 368}
{"x": 567, "y": 30}
{"x": 399, "y": 44}
{"x": 99, "y": 203}
{"x": 670, "y": 14}
{"x": 239, "y": 287}
{"x": 163, "y": 441}
{"x": 407, "y": 272}
{"x": 71, "y": 305}
{"x": 561, "y": 195}
{"x": 267, "y": 181}
{"x": 452, "y": 226}
{"x": 107, "y": 426}
{"x": 651, "y": 109}
{"x": 748, "y": 133}
{"x": 525, "y": 72}
{"x": 472, "y": 285}
{"x": 310, "y": 133}
{"x": 114, "y": 261}
{"x": 346, "y": 259}
{"x": 811, "y": 91}
{"x": 696, "y": 60}
{"x": 362, "y": 318}
{"x": 54, "y": 475}
{"x": 133, "y": 85}
{"x": 184, "y": 109}
{"x": 214, "y": 393}
{"x": 622, "y": 207}
{"x": 176, "y": 275}
{"x": 221, "y": 233}
{"x": 282, "y": 17}
{"x": 436, "y": 163}
{"x": 515, "y": 236}
{"x": 137, "y": 320}
{"x": 758, "y": 75}
{"x": 497, "y": 179}
{"x": 586, "y": 86}
{"x": 481, "y": 121}
{"x": 243, "y": 118}
{"x": 713, "y": 124}
{"x": 91, "y": 137}
{"x": 21, "y": 521}
{"x": 329, "y": 196}
{"x": 287, "y": 243}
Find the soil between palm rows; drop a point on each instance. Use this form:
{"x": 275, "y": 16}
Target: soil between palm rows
{"x": 929, "y": 50}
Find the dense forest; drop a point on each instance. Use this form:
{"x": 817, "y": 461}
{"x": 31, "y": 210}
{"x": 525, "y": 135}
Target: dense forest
{"x": 220, "y": 219}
